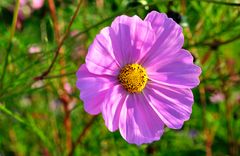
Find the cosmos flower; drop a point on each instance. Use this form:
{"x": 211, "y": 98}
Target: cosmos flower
{"x": 138, "y": 76}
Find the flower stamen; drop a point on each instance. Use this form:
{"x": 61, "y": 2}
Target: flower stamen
{"x": 133, "y": 77}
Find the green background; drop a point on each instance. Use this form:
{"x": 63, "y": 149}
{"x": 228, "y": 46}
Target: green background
{"x": 34, "y": 113}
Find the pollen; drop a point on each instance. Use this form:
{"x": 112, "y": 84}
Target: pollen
{"x": 133, "y": 77}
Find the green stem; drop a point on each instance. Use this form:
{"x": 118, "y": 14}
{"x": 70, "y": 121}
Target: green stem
{"x": 9, "y": 47}
{"x": 14, "y": 22}
{"x": 8, "y": 112}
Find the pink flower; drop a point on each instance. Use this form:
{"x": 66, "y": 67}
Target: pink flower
{"x": 37, "y": 4}
{"x": 26, "y": 9}
{"x": 217, "y": 97}
{"x": 139, "y": 77}
{"x": 33, "y": 49}
{"x": 23, "y": 2}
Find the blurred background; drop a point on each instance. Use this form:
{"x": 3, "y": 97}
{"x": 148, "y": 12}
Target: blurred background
{"x": 43, "y": 43}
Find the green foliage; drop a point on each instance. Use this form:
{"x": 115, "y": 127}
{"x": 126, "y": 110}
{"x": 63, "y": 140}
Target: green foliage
{"x": 32, "y": 112}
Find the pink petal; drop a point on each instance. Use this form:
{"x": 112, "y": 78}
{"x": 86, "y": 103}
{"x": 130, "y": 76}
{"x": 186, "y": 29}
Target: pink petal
{"x": 112, "y": 106}
{"x": 37, "y": 4}
{"x": 173, "y": 105}
{"x": 138, "y": 122}
{"x": 169, "y": 37}
{"x": 156, "y": 19}
{"x": 100, "y": 58}
{"x": 23, "y": 2}
{"x": 176, "y": 70}
{"x": 119, "y": 45}
{"x": 93, "y": 89}
{"x": 134, "y": 38}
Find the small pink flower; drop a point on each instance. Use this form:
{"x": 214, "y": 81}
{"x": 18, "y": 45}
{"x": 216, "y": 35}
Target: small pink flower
{"x": 37, "y": 4}
{"x": 217, "y": 97}
{"x": 67, "y": 87}
{"x": 25, "y": 10}
{"x": 139, "y": 77}
{"x": 34, "y": 49}
{"x": 23, "y": 2}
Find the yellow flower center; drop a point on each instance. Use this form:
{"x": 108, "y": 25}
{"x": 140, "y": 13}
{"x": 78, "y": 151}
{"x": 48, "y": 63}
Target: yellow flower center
{"x": 133, "y": 77}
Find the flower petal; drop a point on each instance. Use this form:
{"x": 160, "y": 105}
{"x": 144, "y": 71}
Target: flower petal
{"x": 37, "y": 4}
{"x": 169, "y": 37}
{"x": 138, "y": 122}
{"x": 156, "y": 19}
{"x": 176, "y": 70}
{"x": 93, "y": 89}
{"x": 112, "y": 106}
{"x": 173, "y": 105}
{"x": 100, "y": 58}
{"x": 134, "y": 38}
